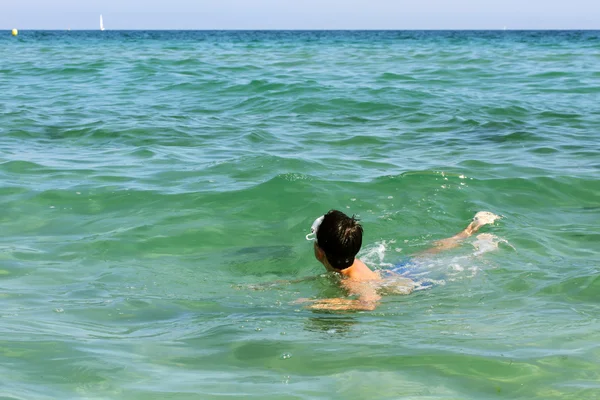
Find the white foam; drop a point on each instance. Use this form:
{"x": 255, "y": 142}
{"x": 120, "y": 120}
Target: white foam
{"x": 374, "y": 255}
{"x": 487, "y": 242}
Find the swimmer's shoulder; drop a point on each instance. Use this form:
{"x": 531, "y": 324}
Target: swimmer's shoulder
{"x": 361, "y": 272}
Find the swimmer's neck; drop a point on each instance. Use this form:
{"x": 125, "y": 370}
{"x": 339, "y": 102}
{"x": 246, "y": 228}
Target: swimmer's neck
{"x": 357, "y": 271}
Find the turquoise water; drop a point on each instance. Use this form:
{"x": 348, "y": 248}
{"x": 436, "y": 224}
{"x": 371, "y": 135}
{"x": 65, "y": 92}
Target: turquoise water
{"x": 153, "y": 184}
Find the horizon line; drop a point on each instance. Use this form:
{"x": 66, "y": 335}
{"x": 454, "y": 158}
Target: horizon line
{"x": 303, "y": 29}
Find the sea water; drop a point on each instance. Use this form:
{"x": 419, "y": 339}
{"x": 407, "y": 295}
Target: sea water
{"x": 154, "y": 185}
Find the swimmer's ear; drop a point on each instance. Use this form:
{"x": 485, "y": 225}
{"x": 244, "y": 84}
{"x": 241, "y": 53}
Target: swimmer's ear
{"x": 319, "y": 254}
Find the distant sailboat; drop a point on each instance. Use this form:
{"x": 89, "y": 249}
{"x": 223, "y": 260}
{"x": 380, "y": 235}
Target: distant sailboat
{"x": 101, "y": 23}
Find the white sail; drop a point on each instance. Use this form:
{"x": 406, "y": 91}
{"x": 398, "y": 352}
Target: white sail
{"x": 101, "y": 23}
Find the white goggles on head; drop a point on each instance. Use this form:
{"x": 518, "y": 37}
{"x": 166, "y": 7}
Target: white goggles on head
{"x": 315, "y": 228}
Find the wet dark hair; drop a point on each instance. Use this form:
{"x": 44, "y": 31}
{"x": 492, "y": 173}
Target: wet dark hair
{"x": 340, "y": 237}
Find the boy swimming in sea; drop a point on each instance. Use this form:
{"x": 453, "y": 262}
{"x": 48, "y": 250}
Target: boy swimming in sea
{"x": 338, "y": 239}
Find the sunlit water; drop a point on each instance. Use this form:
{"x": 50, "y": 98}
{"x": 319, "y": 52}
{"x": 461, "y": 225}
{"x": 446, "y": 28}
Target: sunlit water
{"x": 154, "y": 184}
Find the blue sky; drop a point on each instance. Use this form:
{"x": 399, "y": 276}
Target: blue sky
{"x": 301, "y": 14}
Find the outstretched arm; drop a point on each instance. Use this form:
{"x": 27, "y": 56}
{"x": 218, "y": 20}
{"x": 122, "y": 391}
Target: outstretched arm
{"x": 481, "y": 218}
{"x": 368, "y": 299}
{"x": 339, "y": 304}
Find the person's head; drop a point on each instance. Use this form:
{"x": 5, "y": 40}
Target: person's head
{"x": 338, "y": 239}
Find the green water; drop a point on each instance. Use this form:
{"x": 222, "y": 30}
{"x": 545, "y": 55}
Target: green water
{"x": 149, "y": 180}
